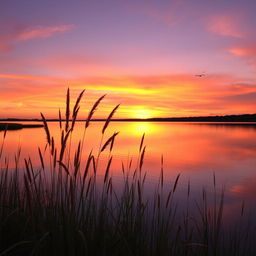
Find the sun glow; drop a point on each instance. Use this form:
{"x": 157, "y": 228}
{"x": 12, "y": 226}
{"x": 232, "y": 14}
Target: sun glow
{"x": 143, "y": 113}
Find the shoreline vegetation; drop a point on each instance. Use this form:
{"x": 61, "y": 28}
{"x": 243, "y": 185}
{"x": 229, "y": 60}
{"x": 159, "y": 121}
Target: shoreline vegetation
{"x": 226, "y": 118}
{"x": 70, "y": 205}
{"x": 17, "y": 126}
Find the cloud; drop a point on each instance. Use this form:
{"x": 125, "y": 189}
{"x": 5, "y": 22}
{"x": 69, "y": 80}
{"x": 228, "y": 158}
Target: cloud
{"x": 18, "y": 34}
{"x": 42, "y": 32}
{"x": 244, "y": 97}
{"x": 225, "y": 25}
{"x": 246, "y": 52}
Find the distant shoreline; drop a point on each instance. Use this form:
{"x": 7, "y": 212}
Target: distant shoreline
{"x": 226, "y": 119}
{"x": 17, "y": 126}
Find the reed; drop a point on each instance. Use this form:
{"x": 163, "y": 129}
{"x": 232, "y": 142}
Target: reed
{"x": 61, "y": 208}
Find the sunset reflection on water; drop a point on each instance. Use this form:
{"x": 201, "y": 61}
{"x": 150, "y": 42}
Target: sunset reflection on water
{"x": 194, "y": 150}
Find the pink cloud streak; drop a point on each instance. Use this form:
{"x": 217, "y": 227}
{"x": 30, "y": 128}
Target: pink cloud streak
{"x": 43, "y": 32}
{"x": 17, "y": 35}
{"x": 246, "y": 52}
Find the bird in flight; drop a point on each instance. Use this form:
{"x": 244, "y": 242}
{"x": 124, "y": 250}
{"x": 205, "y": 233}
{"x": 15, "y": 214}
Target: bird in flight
{"x": 200, "y": 75}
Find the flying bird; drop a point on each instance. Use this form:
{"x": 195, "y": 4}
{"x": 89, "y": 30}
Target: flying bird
{"x": 200, "y": 75}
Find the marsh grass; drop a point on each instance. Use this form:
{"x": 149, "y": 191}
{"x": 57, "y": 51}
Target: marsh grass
{"x": 63, "y": 207}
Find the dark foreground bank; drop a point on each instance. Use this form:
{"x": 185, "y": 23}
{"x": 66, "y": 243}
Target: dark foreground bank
{"x": 17, "y": 126}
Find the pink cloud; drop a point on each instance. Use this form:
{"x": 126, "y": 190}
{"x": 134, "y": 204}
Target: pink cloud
{"x": 225, "y": 25}
{"x": 17, "y": 34}
{"x": 246, "y": 52}
{"x": 42, "y": 32}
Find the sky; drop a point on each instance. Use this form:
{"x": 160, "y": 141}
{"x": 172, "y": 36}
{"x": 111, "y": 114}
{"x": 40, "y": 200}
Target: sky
{"x": 144, "y": 54}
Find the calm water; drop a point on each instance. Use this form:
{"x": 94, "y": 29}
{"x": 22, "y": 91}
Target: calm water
{"x": 196, "y": 150}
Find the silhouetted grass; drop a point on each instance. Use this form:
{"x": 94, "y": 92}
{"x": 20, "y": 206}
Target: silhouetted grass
{"x": 64, "y": 207}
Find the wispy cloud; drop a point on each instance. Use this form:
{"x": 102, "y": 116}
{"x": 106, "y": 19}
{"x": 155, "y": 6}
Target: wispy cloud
{"x": 42, "y": 32}
{"x": 226, "y": 25}
{"x": 246, "y": 51}
{"x": 17, "y": 35}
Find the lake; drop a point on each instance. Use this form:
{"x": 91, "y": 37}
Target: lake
{"x": 194, "y": 150}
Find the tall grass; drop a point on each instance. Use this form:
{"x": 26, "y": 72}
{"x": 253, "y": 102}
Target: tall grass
{"x": 63, "y": 207}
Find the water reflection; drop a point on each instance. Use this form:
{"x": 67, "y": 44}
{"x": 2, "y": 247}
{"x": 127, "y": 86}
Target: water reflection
{"x": 192, "y": 149}
{"x": 138, "y": 128}
{"x": 248, "y": 125}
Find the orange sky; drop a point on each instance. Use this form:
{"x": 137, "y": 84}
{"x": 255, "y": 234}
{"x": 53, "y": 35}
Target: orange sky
{"x": 140, "y": 96}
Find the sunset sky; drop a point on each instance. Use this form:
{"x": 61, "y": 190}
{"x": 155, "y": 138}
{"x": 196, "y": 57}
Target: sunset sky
{"x": 143, "y": 54}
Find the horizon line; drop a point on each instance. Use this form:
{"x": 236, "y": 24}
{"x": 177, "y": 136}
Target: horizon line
{"x": 239, "y": 117}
